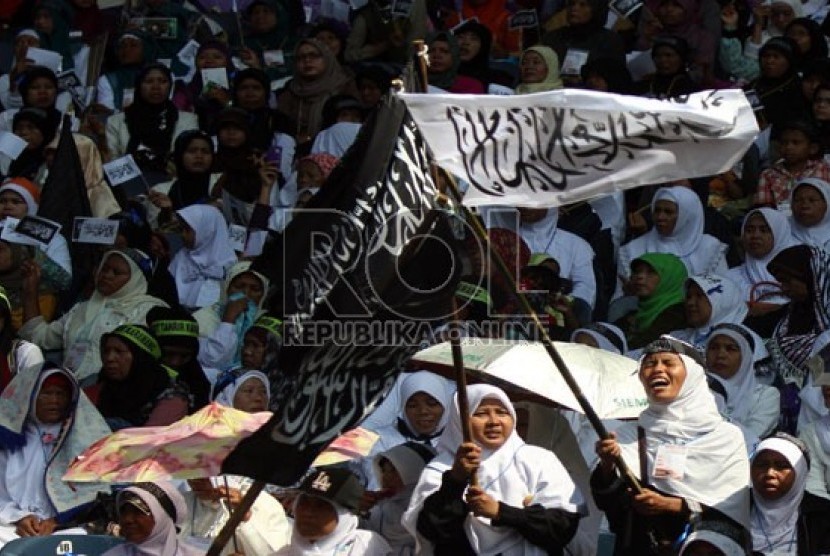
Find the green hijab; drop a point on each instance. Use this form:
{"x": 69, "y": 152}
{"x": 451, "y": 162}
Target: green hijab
{"x": 670, "y": 291}
{"x": 552, "y": 80}
{"x": 445, "y": 79}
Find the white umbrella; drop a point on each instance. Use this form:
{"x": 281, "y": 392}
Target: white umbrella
{"x": 608, "y": 381}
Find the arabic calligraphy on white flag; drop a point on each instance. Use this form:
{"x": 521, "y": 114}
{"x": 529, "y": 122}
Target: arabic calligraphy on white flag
{"x": 549, "y": 149}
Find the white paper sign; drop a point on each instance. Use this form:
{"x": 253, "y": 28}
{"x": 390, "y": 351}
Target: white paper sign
{"x": 217, "y": 76}
{"x": 11, "y": 145}
{"x": 238, "y": 235}
{"x": 46, "y": 58}
{"x": 100, "y": 231}
{"x": 31, "y": 230}
{"x": 574, "y": 60}
{"x": 121, "y": 170}
{"x": 9, "y": 234}
{"x": 273, "y": 58}
{"x": 553, "y": 148}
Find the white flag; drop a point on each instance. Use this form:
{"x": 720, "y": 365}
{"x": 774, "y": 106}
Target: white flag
{"x": 121, "y": 170}
{"x": 550, "y": 149}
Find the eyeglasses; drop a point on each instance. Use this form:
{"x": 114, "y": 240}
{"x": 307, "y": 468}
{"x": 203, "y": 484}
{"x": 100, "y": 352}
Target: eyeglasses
{"x": 309, "y": 56}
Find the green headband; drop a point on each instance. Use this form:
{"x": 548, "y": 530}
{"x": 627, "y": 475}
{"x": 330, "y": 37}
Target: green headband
{"x": 139, "y": 337}
{"x": 472, "y": 292}
{"x": 270, "y": 324}
{"x": 176, "y": 328}
{"x": 4, "y": 297}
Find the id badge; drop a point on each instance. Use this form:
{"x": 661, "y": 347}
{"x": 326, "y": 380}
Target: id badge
{"x": 75, "y": 355}
{"x": 670, "y": 462}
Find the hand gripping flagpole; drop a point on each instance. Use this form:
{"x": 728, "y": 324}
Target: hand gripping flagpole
{"x": 630, "y": 479}
{"x": 541, "y": 331}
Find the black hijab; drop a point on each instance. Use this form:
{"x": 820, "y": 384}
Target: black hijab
{"x": 30, "y": 160}
{"x": 151, "y": 125}
{"x": 189, "y": 188}
{"x": 479, "y": 66}
{"x": 133, "y": 398}
{"x": 176, "y": 327}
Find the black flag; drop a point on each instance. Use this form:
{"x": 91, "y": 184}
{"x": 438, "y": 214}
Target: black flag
{"x": 364, "y": 270}
{"x": 64, "y": 194}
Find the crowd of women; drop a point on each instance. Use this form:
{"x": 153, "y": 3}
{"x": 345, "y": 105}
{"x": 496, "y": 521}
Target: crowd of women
{"x": 719, "y": 286}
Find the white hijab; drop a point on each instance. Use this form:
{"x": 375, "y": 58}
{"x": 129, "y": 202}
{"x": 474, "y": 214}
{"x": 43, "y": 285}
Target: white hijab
{"x": 716, "y": 471}
{"x": 228, "y": 393}
{"x": 127, "y": 297}
{"x": 210, "y": 257}
{"x": 818, "y": 235}
{"x": 516, "y": 474}
{"x": 537, "y": 235}
{"x": 163, "y": 539}
{"x": 685, "y": 239}
{"x": 428, "y": 383}
{"x": 775, "y": 522}
{"x": 608, "y": 337}
{"x": 332, "y": 544}
{"x": 726, "y": 300}
{"x": 336, "y": 139}
{"x": 739, "y": 388}
{"x": 755, "y": 270}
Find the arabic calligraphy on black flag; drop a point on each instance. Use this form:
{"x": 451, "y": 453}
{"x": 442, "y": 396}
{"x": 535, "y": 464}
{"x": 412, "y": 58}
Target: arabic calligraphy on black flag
{"x": 549, "y": 149}
{"x": 368, "y": 260}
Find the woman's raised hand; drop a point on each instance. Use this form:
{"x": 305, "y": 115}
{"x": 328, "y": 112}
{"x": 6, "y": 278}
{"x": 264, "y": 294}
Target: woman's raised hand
{"x": 467, "y": 461}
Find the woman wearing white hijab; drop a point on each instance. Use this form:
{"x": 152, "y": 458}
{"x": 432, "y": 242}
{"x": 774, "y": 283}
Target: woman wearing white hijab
{"x": 325, "y": 523}
{"x": 526, "y": 503}
{"x": 810, "y": 220}
{"x": 714, "y": 537}
{"x": 731, "y": 353}
{"x": 678, "y": 229}
{"x": 397, "y": 471}
{"x": 693, "y": 463}
{"x": 46, "y": 421}
{"x": 779, "y": 470}
{"x": 710, "y": 300}
{"x": 120, "y": 297}
{"x": 424, "y": 411}
{"x": 765, "y": 233}
{"x": 200, "y": 266}
{"x": 602, "y": 335}
{"x": 265, "y": 528}
{"x": 149, "y": 515}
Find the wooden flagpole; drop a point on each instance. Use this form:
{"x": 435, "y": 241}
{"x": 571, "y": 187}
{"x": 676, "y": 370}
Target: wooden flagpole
{"x": 229, "y": 529}
{"x": 542, "y": 332}
{"x": 455, "y": 326}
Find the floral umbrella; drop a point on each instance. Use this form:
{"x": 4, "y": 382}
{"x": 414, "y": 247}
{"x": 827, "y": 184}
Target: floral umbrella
{"x": 352, "y": 444}
{"x": 191, "y": 448}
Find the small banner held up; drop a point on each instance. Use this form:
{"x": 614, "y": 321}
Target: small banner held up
{"x": 553, "y": 148}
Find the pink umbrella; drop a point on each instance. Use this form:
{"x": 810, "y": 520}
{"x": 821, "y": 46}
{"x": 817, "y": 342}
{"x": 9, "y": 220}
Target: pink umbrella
{"x": 191, "y": 448}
